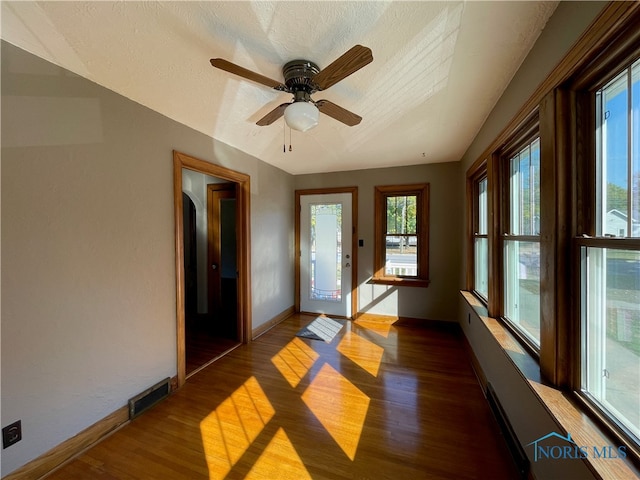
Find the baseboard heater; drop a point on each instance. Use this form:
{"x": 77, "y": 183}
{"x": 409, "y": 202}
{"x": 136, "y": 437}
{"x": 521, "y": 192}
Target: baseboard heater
{"x": 149, "y": 398}
{"x": 517, "y": 452}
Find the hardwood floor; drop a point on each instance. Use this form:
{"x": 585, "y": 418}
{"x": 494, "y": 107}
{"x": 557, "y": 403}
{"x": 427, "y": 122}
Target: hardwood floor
{"x": 379, "y": 402}
{"x": 206, "y": 339}
{"x": 202, "y": 349}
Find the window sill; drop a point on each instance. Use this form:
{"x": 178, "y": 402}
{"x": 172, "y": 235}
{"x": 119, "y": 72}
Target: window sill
{"x": 560, "y": 404}
{"x": 399, "y": 282}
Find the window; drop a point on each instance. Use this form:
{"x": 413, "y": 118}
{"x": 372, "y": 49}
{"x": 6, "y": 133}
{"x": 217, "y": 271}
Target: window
{"x": 610, "y": 258}
{"x": 521, "y": 241}
{"x": 479, "y": 282}
{"x": 401, "y": 235}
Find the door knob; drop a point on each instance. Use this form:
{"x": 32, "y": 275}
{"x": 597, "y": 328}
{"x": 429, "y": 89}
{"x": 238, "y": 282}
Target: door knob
{"x": 214, "y": 266}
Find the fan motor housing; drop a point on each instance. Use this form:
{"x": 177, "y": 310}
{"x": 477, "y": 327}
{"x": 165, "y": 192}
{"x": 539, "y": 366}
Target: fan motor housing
{"x": 298, "y": 76}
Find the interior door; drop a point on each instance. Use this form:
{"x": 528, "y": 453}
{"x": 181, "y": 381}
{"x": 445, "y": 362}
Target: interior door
{"x": 325, "y": 254}
{"x": 222, "y": 276}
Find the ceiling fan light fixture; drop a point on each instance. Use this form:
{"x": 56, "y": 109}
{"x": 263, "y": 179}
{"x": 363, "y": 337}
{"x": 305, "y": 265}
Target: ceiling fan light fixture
{"x": 301, "y": 116}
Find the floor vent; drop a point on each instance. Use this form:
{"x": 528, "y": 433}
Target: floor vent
{"x": 148, "y": 398}
{"x": 517, "y": 452}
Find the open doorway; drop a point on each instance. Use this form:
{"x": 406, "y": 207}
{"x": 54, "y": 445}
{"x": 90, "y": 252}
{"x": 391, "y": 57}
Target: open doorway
{"x": 210, "y": 268}
{"x": 212, "y": 262}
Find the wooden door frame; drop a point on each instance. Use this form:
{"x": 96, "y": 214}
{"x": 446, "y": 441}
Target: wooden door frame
{"x": 354, "y": 241}
{"x": 243, "y": 225}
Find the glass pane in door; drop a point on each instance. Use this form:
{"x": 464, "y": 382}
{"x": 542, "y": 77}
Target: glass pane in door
{"x": 326, "y": 252}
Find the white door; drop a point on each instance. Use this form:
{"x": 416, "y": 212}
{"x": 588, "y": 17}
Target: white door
{"x": 325, "y": 254}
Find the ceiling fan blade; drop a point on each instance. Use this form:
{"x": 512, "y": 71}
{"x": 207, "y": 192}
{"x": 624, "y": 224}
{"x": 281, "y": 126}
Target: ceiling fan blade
{"x": 339, "y": 113}
{"x": 227, "y": 66}
{"x": 350, "y": 62}
{"x": 273, "y": 115}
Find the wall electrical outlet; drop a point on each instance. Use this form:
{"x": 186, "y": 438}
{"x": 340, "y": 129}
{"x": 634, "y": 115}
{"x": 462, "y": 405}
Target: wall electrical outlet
{"x": 11, "y": 434}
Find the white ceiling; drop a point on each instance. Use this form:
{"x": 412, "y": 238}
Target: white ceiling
{"x": 438, "y": 68}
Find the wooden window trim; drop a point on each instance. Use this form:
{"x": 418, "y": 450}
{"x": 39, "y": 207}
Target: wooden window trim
{"x": 613, "y": 243}
{"x": 381, "y": 193}
{"x": 557, "y": 157}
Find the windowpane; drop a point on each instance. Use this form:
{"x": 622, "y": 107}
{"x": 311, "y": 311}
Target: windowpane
{"x": 618, "y": 158}
{"x": 483, "y": 216}
{"x": 481, "y": 257}
{"x": 611, "y": 332}
{"x": 635, "y": 150}
{"x": 481, "y": 242}
{"x": 525, "y": 190}
{"x": 401, "y": 214}
{"x": 326, "y": 252}
{"x": 401, "y": 256}
{"x": 522, "y": 286}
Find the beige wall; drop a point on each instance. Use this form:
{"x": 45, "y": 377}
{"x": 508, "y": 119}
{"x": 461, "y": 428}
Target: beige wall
{"x": 88, "y": 276}
{"x": 438, "y": 301}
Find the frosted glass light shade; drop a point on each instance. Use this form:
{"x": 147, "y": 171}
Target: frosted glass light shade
{"x": 301, "y": 116}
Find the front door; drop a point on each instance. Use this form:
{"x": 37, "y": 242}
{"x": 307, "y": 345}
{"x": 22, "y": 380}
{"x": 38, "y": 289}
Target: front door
{"x": 326, "y": 254}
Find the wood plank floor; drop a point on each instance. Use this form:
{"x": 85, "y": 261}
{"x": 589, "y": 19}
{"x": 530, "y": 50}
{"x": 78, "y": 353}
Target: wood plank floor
{"x": 380, "y": 401}
{"x": 202, "y": 348}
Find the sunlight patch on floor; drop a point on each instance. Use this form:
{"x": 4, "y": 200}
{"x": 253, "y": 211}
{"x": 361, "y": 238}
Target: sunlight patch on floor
{"x": 362, "y": 352}
{"x": 279, "y": 460}
{"x": 294, "y": 361}
{"x": 381, "y": 328}
{"x": 340, "y": 407}
{"x": 230, "y": 429}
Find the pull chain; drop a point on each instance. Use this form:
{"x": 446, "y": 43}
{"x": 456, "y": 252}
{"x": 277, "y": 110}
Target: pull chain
{"x": 284, "y": 137}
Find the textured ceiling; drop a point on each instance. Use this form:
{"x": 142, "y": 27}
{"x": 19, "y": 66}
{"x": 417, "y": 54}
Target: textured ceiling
{"x": 438, "y": 68}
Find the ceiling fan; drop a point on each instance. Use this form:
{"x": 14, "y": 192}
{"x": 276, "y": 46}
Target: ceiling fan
{"x": 303, "y": 78}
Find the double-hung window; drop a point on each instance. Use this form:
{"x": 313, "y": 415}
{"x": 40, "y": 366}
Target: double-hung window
{"x": 521, "y": 240}
{"x": 609, "y": 250}
{"x": 401, "y": 225}
{"x": 479, "y": 282}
